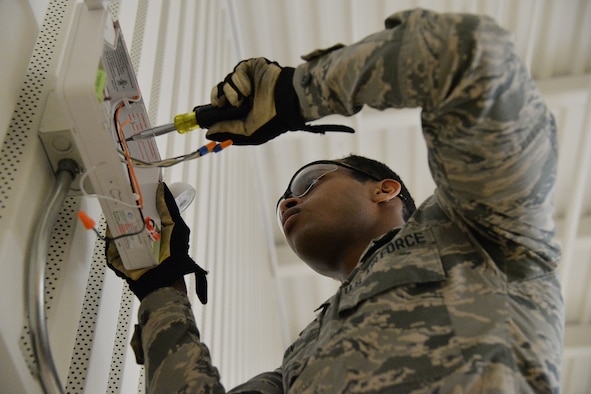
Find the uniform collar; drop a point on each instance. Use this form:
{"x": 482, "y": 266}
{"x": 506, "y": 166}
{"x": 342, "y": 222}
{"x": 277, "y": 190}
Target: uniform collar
{"x": 378, "y": 243}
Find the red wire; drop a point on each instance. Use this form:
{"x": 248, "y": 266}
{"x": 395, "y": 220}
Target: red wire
{"x": 134, "y": 182}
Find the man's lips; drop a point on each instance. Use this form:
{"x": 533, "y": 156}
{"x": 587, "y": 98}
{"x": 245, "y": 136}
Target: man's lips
{"x": 287, "y": 215}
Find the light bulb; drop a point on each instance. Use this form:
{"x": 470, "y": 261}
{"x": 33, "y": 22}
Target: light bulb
{"x": 183, "y": 193}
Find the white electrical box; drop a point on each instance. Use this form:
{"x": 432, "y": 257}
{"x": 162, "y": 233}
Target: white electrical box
{"x": 95, "y": 105}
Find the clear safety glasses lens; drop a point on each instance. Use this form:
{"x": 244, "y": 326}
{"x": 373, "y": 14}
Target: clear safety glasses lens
{"x": 303, "y": 181}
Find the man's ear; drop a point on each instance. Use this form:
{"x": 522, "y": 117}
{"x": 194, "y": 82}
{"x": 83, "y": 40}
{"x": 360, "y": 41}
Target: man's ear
{"x": 386, "y": 190}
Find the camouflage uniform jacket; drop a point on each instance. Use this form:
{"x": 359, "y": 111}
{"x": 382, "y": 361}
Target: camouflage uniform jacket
{"x": 463, "y": 298}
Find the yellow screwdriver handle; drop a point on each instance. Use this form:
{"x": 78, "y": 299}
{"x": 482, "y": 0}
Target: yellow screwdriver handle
{"x": 185, "y": 122}
{"x": 206, "y": 115}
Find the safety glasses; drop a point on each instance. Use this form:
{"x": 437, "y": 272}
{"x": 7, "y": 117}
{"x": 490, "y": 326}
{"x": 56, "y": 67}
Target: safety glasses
{"x": 306, "y": 177}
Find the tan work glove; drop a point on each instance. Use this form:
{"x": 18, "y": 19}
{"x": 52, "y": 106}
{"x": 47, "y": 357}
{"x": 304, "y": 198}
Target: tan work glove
{"x": 174, "y": 260}
{"x": 274, "y": 104}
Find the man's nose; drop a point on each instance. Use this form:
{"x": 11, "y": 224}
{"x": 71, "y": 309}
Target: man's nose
{"x": 287, "y": 203}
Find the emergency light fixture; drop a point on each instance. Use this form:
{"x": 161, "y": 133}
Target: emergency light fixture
{"x": 95, "y": 106}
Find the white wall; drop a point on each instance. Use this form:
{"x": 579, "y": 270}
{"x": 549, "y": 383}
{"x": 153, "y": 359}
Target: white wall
{"x": 18, "y": 29}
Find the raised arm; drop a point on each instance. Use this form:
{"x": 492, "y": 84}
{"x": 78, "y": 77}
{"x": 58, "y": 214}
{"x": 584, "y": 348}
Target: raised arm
{"x": 490, "y": 137}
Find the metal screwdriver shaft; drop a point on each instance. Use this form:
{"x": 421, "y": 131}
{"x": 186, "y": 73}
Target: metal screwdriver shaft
{"x": 203, "y": 116}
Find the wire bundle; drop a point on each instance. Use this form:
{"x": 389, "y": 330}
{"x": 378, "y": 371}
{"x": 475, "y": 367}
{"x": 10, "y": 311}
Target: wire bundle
{"x": 130, "y": 162}
{"x": 202, "y": 151}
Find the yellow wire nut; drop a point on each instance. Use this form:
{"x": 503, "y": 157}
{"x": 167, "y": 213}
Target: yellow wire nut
{"x": 185, "y": 122}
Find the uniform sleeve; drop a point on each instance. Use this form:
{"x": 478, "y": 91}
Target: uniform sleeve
{"x": 491, "y": 139}
{"x": 176, "y": 361}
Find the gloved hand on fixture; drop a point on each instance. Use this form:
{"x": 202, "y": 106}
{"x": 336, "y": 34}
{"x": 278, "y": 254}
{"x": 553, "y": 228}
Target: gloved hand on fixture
{"x": 274, "y": 104}
{"x": 174, "y": 261}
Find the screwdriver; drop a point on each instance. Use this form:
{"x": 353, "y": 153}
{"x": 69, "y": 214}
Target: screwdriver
{"x": 203, "y": 116}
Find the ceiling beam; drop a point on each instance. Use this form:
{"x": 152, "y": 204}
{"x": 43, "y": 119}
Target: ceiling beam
{"x": 565, "y": 91}
{"x": 577, "y": 340}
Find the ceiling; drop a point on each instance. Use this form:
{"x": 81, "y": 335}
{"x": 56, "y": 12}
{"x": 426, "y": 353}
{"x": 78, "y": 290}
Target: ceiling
{"x": 552, "y": 36}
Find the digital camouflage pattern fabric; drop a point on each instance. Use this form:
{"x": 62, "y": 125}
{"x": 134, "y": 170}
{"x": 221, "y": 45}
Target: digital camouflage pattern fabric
{"x": 464, "y": 298}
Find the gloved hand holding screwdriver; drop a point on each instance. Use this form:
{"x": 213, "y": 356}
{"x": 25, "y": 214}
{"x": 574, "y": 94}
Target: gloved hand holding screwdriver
{"x": 275, "y": 106}
{"x": 259, "y": 83}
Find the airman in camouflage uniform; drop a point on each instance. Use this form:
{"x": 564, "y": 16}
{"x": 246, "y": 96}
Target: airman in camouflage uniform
{"x": 462, "y": 298}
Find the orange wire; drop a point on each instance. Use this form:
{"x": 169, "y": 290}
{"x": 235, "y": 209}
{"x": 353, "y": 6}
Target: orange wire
{"x": 134, "y": 182}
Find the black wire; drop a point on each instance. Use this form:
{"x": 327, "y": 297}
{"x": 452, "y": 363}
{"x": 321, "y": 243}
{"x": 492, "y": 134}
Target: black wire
{"x": 109, "y": 239}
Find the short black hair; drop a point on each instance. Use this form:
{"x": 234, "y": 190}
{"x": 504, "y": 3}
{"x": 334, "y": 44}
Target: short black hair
{"x": 380, "y": 171}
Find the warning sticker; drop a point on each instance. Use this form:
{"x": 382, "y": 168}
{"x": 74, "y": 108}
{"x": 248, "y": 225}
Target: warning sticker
{"x": 127, "y": 223}
{"x": 121, "y": 80}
